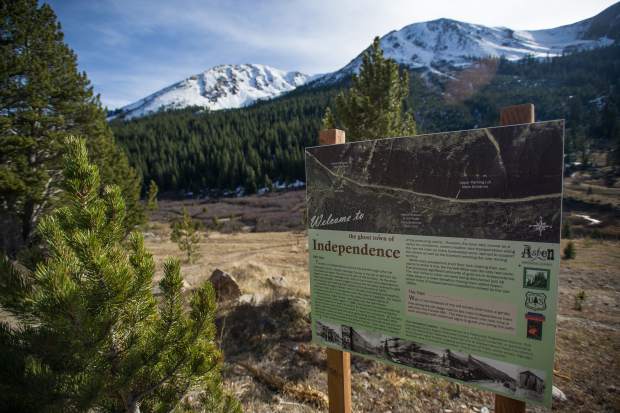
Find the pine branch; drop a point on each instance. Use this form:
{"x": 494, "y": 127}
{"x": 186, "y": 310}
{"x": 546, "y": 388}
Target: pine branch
{"x": 96, "y": 334}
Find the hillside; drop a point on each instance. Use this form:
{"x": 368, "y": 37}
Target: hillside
{"x": 221, "y": 87}
{"x": 438, "y": 46}
{"x": 190, "y": 150}
{"x": 441, "y": 45}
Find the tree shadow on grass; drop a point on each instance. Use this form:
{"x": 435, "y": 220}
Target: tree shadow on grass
{"x": 252, "y": 331}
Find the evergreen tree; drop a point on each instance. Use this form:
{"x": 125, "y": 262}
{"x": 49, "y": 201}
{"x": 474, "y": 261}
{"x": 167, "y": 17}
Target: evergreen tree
{"x": 373, "y": 107}
{"x": 88, "y": 333}
{"x": 268, "y": 183}
{"x": 569, "y": 251}
{"x": 328, "y": 120}
{"x": 250, "y": 180}
{"x": 580, "y": 297}
{"x": 610, "y": 130}
{"x": 151, "y": 197}
{"x": 186, "y": 233}
{"x": 610, "y": 120}
{"x": 43, "y": 97}
{"x": 566, "y": 231}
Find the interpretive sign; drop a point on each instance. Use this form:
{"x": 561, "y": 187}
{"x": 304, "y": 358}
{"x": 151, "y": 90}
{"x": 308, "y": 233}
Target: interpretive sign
{"x": 441, "y": 253}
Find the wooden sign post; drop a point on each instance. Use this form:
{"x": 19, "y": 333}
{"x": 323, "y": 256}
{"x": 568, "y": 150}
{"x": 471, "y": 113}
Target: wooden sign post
{"x": 338, "y": 362}
{"x": 513, "y": 115}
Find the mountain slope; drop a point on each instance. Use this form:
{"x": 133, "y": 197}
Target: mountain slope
{"x": 252, "y": 147}
{"x": 221, "y": 87}
{"x": 605, "y": 24}
{"x": 440, "y": 46}
{"x": 447, "y": 44}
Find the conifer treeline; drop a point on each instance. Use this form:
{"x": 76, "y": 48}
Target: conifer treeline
{"x": 189, "y": 150}
{"x": 192, "y": 150}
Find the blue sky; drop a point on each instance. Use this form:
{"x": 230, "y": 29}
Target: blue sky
{"x": 132, "y": 48}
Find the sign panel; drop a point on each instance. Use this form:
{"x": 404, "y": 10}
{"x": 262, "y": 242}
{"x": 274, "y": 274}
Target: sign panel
{"x": 441, "y": 253}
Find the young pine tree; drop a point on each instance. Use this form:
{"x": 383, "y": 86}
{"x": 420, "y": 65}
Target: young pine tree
{"x": 151, "y": 197}
{"x": 87, "y": 333}
{"x": 569, "y": 251}
{"x": 566, "y": 231}
{"x": 249, "y": 180}
{"x": 373, "y": 107}
{"x": 186, "y": 233}
{"x": 268, "y": 183}
{"x": 580, "y": 297}
{"x": 328, "y": 121}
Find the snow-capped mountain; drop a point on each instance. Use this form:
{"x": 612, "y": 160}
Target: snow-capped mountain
{"x": 442, "y": 44}
{"x": 439, "y": 45}
{"x": 221, "y": 87}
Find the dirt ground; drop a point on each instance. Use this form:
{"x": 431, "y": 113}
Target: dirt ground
{"x": 251, "y": 257}
{"x": 267, "y": 343}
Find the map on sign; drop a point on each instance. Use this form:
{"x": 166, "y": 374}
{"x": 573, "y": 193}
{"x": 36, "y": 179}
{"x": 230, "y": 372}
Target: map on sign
{"x": 441, "y": 253}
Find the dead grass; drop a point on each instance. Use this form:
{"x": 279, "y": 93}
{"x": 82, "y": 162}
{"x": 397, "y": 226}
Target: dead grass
{"x": 250, "y": 257}
{"x": 588, "y": 340}
{"x": 273, "y": 336}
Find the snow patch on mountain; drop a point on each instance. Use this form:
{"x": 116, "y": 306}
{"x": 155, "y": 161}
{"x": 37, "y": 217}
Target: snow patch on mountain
{"x": 446, "y": 43}
{"x": 221, "y": 87}
{"x": 439, "y": 46}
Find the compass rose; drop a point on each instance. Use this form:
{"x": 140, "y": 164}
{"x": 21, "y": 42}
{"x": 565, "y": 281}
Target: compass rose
{"x": 540, "y": 226}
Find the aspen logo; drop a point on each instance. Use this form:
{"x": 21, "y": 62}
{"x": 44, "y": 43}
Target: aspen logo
{"x": 541, "y": 254}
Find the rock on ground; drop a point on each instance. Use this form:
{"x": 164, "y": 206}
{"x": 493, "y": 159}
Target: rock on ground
{"x": 277, "y": 282}
{"x": 558, "y": 395}
{"x": 225, "y": 285}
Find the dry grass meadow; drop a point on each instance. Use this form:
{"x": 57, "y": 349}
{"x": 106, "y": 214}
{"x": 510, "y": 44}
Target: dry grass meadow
{"x": 271, "y": 365}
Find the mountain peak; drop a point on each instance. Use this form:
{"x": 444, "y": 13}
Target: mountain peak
{"x": 220, "y": 87}
{"x": 439, "y": 45}
{"x": 605, "y": 24}
{"x": 444, "y": 42}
